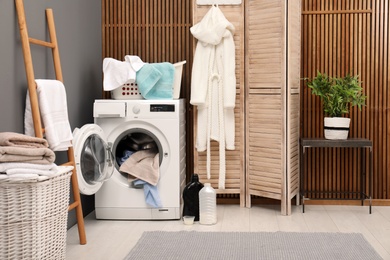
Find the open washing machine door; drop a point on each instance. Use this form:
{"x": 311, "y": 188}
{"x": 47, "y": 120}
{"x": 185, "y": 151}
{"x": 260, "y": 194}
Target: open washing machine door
{"x": 93, "y": 158}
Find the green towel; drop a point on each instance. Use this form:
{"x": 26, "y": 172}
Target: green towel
{"x": 155, "y": 80}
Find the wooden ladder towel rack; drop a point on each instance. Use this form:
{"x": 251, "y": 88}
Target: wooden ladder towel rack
{"x": 39, "y": 130}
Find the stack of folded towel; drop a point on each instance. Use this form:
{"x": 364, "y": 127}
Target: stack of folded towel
{"x": 25, "y": 157}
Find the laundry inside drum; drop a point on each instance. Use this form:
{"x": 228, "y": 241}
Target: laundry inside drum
{"x": 134, "y": 142}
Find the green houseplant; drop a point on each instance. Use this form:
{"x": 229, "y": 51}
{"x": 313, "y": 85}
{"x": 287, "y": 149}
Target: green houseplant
{"x": 337, "y": 95}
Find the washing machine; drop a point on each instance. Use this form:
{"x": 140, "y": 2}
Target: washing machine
{"x": 100, "y": 148}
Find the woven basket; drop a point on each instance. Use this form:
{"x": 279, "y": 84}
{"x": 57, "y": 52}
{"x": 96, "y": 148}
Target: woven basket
{"x": 33, "y": 218}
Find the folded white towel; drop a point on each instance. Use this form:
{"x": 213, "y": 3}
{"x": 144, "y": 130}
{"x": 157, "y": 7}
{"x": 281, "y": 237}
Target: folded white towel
{"x": 30, "y": 171}
{"x": 117, "y": 73}
{"x": 33, "y": 177}
{"x": 22, "y": 165}
{"x": 35, "y": 172}
{"x": 23, "y": 177}
{"x": 29, "y": 168}
{"x": 54, "y": 113}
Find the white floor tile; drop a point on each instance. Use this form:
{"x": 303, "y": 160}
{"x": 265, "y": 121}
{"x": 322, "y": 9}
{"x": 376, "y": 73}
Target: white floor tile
{"x": 108, "y": 240}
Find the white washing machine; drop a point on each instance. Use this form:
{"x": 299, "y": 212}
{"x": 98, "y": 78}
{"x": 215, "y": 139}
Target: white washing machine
{"x": 99, "y": 149}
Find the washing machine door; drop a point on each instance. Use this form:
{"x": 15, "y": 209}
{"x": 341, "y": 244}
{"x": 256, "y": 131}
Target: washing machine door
{"x": 93, "y": 158}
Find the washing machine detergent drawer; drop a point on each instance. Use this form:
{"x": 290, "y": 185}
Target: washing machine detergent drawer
{"x": 109, "y": 109}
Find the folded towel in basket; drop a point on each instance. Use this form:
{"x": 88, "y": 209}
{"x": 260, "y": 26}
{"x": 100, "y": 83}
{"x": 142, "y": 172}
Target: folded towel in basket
{"x": 155, "y": 80}
{"x": 29, "y": 155}
{"x": 29, "y": 168}
{"x": 23, "y": 165}
{"x": 21, "y": 140}
{"x": 48, "y": 173}
{"x": 34, "y": 177}
{"x": 54, "y": 113}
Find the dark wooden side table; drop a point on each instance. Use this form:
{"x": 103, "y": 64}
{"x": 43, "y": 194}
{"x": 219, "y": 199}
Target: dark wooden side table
{"x": 348, "y": 143}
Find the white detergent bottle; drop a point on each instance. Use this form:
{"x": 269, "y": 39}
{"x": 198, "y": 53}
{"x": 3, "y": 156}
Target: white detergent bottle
{"x": 207, "y": 205}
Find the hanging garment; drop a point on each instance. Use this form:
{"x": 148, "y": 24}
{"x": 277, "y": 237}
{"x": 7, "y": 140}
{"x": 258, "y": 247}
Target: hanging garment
{"x": 213, "y": 86}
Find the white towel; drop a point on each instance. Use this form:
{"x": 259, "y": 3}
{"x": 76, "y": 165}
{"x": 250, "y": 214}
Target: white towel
{"x": 135, "y": 62}
{"x": 29, "y": 168}
{"x": 48, "y": 173}
{"x": 24, "y": 177}
{"x": 117, "y": 73}
{"x": 54, "y": 114}
{"x": 14, "y": 165}
{"x": 34, "y": 177}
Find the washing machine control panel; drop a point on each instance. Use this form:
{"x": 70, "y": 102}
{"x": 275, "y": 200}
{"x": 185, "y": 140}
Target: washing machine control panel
{"x": 162, "y": 108}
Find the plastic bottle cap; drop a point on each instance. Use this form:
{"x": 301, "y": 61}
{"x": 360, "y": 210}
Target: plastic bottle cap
{"x": 195, "y": 178}
{"x": 207, "y": 185}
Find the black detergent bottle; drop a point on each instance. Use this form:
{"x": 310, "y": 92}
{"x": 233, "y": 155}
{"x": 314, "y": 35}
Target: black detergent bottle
{"x": 191, "y": 197}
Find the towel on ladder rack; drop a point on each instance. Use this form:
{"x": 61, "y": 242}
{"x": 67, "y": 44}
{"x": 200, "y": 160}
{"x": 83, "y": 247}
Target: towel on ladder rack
{"x": 54, "y": 114}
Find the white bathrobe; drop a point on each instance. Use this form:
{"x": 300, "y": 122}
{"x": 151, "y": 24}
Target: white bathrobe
{"x": 213, "y": 86}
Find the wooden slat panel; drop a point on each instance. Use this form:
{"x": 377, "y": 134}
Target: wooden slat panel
{"x": 293, "y": 101}
{"x": 235, "y": 181}
{"x": 264, "y": 143}
{"x": 264, "y": 127}
{"x": 265, "y": 44}
{"x": 156, "y": 31}
{"x": 272, "y": 112}
{"x": 341, "y": 37}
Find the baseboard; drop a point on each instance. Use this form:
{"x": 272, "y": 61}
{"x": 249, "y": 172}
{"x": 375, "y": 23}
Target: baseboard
{"x": 266, "y": 201}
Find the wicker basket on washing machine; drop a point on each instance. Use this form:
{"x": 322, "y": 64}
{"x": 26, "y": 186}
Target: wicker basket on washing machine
{"x": 33, "y": 218}
{"x": 130, "y": 90}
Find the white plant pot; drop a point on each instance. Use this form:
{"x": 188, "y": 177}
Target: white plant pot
{"x": 336, "y": 128}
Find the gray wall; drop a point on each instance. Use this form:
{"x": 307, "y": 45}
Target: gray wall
{"x": 78, "y": 27}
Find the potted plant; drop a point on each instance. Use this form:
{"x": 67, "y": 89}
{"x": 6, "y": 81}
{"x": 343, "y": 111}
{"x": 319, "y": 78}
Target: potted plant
{"x": 337, "y": 95}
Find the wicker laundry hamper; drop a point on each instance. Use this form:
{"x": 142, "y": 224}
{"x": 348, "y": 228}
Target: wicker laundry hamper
{"x": 33, "y": 218}
{"x": 131, "y": 91}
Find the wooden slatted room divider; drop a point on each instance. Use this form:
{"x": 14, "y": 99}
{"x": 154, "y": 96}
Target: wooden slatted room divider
{"x": 235, "y": 171}
{"x": 156, "y": 31}
{"x": 272, "y": 100}
{"x": 340, "y": 37}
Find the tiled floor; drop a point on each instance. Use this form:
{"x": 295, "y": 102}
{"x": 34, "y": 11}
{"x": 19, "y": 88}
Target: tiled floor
{"x": 108, "y": 240}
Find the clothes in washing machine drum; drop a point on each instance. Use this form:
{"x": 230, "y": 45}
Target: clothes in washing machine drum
{"x": 134, "y": 143}
{"x": 140, "y": 141}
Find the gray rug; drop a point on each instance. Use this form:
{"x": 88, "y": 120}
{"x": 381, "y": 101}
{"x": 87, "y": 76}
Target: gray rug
{"x": 251, "y": 245}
